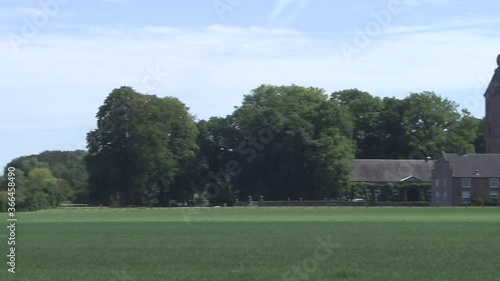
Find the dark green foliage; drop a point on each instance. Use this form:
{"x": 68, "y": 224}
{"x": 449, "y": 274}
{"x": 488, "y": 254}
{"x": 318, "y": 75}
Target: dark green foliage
{"x": 367, "y": 113}
{"x": 65, "y": 170}
{"x": 69, "y": 168}
{"x": 477, "y": 201}
{"x": 281, "y": 142}
{"x": 396, "y": 192}
{"x": 292, "y": 142}
{"x": 3, "y": 201}
{"x": 41, "y": 190}
{"x": 141, "y": 149}
{"x": 420, "y": 125}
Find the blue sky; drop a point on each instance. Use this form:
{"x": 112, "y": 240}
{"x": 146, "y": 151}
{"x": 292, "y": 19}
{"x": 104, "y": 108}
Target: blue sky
{"x": 60, "y": 58}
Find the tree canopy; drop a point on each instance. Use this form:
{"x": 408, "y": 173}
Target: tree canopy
{"x": 281, "y": 142}
{"x": 49, "y": 178}
{"x": 137, "y": 150}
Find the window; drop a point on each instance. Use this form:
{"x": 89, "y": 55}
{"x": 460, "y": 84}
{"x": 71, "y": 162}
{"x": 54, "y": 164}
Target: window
{"x": 445, "y": 196}
{"x": 436, "y": 182}
{"x": 494, "y": 183}
{"x": 494, "y": 196}
{"x": 465, "y": 182}
{"x": 465, "y": 196}
{"x": 445, "y": 182}
{"x": 437, "y": 196}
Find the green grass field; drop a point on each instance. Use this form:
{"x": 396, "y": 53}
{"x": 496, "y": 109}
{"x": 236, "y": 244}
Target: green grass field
{"x": 256, "y": 244}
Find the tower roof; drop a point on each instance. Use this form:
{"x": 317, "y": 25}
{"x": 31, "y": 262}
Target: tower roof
{"x": 494, "y": 86}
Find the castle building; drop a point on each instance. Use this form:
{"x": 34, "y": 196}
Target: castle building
{"x": 459, "y": 178}
{"x": 455, "y": 179}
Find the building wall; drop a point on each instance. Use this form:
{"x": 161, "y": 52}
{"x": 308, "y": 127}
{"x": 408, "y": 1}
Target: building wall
{"x": 442, "y": 184}
{"x": 479, "y": 187}
{"x": 492, "y": 119}
{"x": 457, "y": 191}
{"x": 492, "y": 145}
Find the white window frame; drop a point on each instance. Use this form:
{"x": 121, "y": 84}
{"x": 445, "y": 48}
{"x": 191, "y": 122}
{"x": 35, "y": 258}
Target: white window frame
{"x": 466, "y": 183}
{"x": 445, "y": 196}
{"x": 466, "y": 197}
{"x": 445, "y": 182}
{"x": 494, "y": 194}
{"x": 436, "y": 182}
{"x": 437, "y": 196}
{"x": 494, "y": 183}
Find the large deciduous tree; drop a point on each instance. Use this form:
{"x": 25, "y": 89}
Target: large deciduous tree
{"x": 137, "y": 150}
{"x": 294, "y": 143}
{"x": 427, "y": 121}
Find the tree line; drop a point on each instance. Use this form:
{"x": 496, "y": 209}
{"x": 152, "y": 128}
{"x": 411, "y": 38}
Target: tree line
{"x": 281, "y": 142}
{"x": 47, "y": 179}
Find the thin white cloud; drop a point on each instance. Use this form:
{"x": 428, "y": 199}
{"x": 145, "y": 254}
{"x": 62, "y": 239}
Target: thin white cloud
{"x": 62, "y": 78}
{"x": 17, "y": 12}
{"x": 64, "y": 74}
{"x": 294, "y": 12}
{"x": 458, "y": 22}
{"x": 422, "y": 2}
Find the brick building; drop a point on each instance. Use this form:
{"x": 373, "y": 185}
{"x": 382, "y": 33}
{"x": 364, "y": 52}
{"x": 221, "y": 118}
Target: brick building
{"x": 458, "y": 178}
{"x": 455, "y": 178}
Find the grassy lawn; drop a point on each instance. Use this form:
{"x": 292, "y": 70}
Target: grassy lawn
{"x": 256, "y": 244}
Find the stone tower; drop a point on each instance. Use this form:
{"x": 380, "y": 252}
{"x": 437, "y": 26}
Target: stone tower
{"x": 492, "y": 97}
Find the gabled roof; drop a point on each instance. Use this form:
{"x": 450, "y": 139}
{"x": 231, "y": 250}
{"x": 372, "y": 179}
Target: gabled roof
{"x": 411, "y": 179}
{"x": 386, "y": 170}
{"x": 474, "y": 165}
